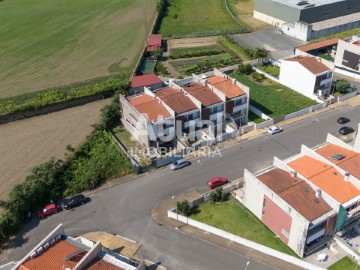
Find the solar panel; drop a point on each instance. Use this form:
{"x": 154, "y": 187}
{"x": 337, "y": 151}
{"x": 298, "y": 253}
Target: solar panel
{"x": 337, "y": 157}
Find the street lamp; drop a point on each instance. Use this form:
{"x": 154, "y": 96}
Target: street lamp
{"x": 247, "y": 264}
{"x": 201, "y": 168}
{"x": 317, "y": 132}
{"x": 177, "y": 213}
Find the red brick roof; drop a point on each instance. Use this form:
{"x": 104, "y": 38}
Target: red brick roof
{"x": 202, "y": 93}
{"x": 176, "y": 100}
{"x": 350, "y": 163}
{"x": 226, "y": 86}
{"x": 145, "y": 80}
{"x": 310, "y": 63}
{"x": 53, "y": 258}
{"x": 150, "y": 107}
{"x": 296, "y": 192}
{"x": 318, "y": 45}
{"x": 153, "y": 43}
{"x": 325, "y": 177}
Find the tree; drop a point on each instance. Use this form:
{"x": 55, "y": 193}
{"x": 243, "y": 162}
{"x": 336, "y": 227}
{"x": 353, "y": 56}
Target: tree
{"x": 157, "y": 53}
{"x": 184, "y": 208}
{"x": 217, "y": 195}
{"x": 110, "y": 114}
{"x": 245, "y": 69}
{"x": 342, "y": 86}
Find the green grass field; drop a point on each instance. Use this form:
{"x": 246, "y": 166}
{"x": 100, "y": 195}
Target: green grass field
{"x": 234, "y": 218}
{"x": 50, "y": 43}
{"x": 274, "y": 99}
{"x": 344, "y": 263}
{"x": 192, "y": 16}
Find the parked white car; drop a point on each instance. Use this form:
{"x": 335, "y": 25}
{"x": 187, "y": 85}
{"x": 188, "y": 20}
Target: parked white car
{"x": 273, "y": 130}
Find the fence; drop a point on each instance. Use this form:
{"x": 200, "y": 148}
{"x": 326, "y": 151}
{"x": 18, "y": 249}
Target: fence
{"x": 265, "y": 124}
{"x": 258, "y": 112}
{"x": 349, "y": 95}
{"x": 267, "y": 75}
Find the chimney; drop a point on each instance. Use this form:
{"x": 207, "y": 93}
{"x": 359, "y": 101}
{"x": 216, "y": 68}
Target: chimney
{"x": 318, "y": 193}
{"x": 346, "y": 176}
{"x": 293, "y": 173}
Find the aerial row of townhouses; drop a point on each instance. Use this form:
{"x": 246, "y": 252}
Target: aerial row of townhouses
{"x": 310, "y": 197}
{"x": 154, "y": 114}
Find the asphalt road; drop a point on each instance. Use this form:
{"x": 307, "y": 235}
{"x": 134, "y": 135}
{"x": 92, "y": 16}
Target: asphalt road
{"x": 126, "y": 208}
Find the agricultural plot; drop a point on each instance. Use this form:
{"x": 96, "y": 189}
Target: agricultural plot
{"x": 195, "y": 51}
{"x": 186, "y": 17}
{"x": 50, "y": 43}
{"x": 30, "y": 142}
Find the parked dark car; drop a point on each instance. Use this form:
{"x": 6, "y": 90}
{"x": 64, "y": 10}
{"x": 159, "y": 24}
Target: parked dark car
{"x": 346, "y": 130}
{"x": 217, "y": 182}
{"x": 47, "y": 210}
{"x": 343, "y": 120}
{"x": 74, "y": 201}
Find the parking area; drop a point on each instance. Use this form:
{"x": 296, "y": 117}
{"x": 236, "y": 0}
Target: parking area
{"x": 279, "y": 45}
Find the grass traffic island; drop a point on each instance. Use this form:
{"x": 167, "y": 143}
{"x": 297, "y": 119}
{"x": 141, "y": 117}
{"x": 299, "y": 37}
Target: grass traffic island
{"x": 344, "y": 263}
{"x": 233, "y": 217}
{"x": 187, "y": 17}
{"x": 274, "y": 99}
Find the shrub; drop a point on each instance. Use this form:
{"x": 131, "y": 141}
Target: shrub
{"x": 217, "y": 195}
{"x": 160, "y": 69}
{"x": 110, "y": 114}
{"x": 184, "y": 208}
{"x": 245, "y": 69}
{"x": 342, "y": 86}
{"x": 258, "y": 77}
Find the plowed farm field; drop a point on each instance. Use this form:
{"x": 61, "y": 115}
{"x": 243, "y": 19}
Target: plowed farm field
{"x": 27, "y": 143}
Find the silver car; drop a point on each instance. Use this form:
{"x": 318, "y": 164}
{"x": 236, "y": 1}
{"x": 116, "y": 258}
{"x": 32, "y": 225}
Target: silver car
{"x": 181, "y": 163}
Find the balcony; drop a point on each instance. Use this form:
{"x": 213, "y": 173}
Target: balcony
{"x": 190, "y": 123}
{"x": 216, "y": 116}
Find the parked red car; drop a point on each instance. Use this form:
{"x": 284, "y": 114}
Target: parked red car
{"x": 217, "y": 182}
{"x": 47, "y": 210}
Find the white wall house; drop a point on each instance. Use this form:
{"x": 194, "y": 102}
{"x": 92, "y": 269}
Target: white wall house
{"x": 306, "y": 75}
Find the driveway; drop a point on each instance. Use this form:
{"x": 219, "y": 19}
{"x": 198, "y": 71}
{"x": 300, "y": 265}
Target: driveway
{"x": 279, "y": 45}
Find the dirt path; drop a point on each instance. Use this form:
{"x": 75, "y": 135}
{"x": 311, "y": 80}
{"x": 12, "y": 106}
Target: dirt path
{"x": 30, "y": 142}
{"x": 192, "y": 42}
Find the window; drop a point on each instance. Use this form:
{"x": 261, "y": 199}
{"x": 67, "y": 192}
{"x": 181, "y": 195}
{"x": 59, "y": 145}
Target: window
{"x": 264, "y": 203}
{"x": 263, "y": 213}
{"x": 238, "y": 102}
{"x": 284, "y": 232}
{"x": 214, "y": 110}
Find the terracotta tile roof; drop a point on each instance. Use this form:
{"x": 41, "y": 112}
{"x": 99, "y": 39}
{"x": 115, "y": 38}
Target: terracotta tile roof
{"x": 318, "y": 45}
{"x": 202, "y": 93}
{"x": 350, "y": 163}
{"x": 226, "y": 86}
{"x": 150, "y": 107}
{"x": 153, "y": 42}
{"x": 53, "y": 258}
{"x": 296, "y": 192}
{"x": 145, "y": 80}
{"x": 176, "y": 100}
{"x": 325, "y": 177}
{"x": 100, "y": 264}
{"x": 310, "y": 63}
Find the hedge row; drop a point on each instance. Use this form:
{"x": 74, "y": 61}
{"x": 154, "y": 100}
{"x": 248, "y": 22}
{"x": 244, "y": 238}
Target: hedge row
{"x": 35, "y": 100}
{"x": 209, "y": 65}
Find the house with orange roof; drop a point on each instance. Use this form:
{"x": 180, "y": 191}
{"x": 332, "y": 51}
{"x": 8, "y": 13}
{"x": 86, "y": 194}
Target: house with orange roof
{"x": 290, "y": 207}
{"x": 148, "y": 119}
{"x": 306, "y": 75}
{"x": 334, "y": 184}
{"x": 150, "y": 81}
{"x": 235, "y": 95}
{"x": 59, "y": 251}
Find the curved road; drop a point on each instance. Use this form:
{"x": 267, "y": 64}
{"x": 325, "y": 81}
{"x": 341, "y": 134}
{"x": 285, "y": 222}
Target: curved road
{"x": 126, "y": 208}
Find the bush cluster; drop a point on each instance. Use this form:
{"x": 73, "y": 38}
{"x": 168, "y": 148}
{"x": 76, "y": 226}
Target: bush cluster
{"x": 207, "y": 65}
